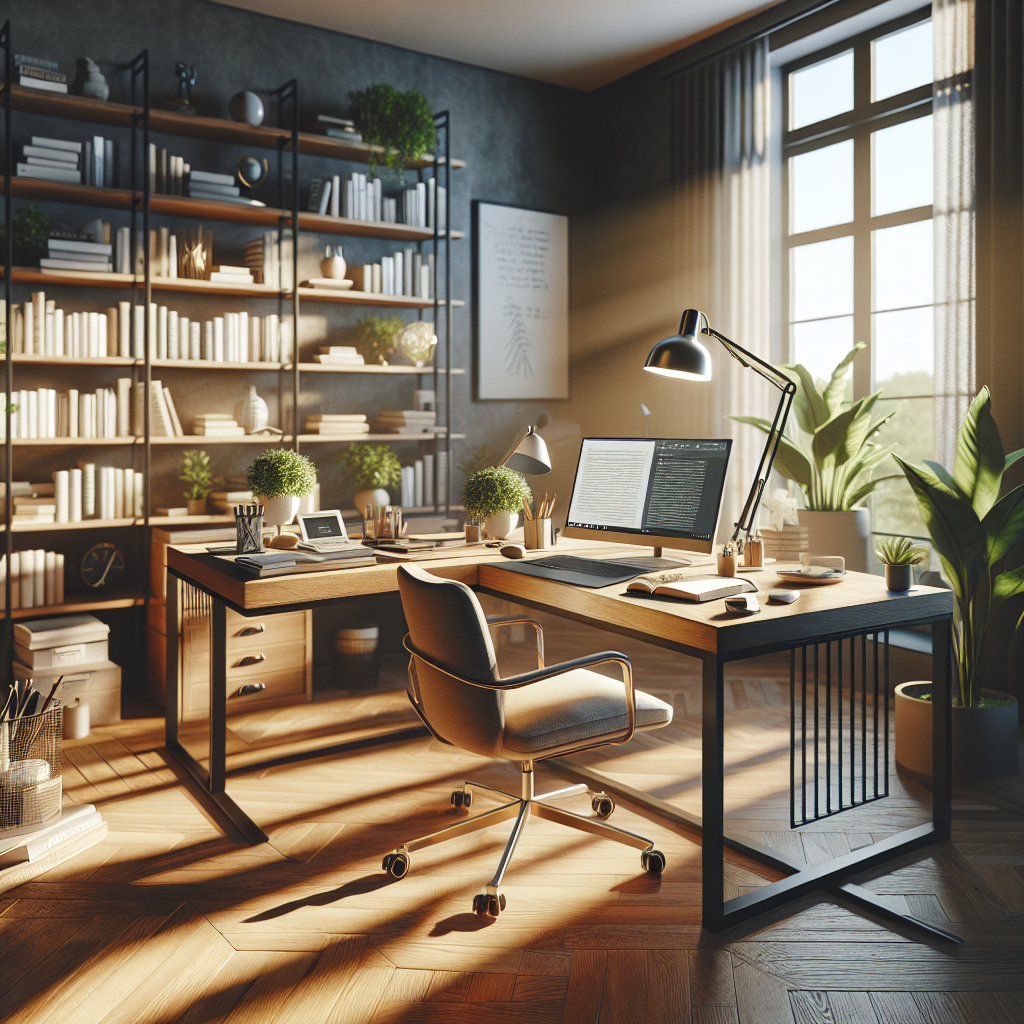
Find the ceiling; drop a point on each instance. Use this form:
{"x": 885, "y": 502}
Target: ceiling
{"x": 578, "y": 43}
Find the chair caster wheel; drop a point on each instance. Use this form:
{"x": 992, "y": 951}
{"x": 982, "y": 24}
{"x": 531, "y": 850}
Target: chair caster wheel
{"x": 461, "y": 798}
{"x": 602, "y": 805}
{"x": 652, "y": 861}
{"x": 486, "y": 905}
{"x": 396, "y": 864}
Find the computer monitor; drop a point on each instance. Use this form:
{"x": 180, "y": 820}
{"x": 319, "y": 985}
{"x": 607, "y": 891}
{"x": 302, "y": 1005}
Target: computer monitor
{"x": 661, "y": 492}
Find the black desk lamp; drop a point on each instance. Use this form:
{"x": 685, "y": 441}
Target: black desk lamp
{"x": 684, "y": 356}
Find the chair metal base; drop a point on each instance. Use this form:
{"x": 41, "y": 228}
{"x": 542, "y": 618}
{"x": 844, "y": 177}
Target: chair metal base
{"x": 491, "y": 901}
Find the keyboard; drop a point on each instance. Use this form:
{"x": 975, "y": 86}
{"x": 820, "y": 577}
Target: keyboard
{"x": 323, "y": 547}
{"x": 581, "y": 572}
{"x": 588, "y": 566}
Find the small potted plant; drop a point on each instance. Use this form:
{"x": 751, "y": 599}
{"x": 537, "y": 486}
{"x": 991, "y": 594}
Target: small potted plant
{"x": 195, "y": 471}
{"x": 899, "y": 556}
{"x": 400, "y": 123}
{"x": 371, "y": 469}
{"x": 496, "y": 495}
{"x": 377, "y": 337}
{"x": 278, "y": 478}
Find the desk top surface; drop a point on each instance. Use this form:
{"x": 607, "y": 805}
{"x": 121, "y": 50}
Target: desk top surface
{"x": 859, "y": 603}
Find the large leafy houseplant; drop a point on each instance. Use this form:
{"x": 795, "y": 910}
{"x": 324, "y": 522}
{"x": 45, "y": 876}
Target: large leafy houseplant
{"x": 400, "y": 122}
{"x": 834, "y": 472}
{"x": 973, "y": 531}
{"x": 370, "y": 466}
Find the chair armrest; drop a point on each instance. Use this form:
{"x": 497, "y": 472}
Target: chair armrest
{"x": 512, "y": 620}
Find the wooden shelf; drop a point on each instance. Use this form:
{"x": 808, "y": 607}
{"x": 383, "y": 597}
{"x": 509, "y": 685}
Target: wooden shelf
{"x": 370, "y": 368}
{"x": 211, "y": 520}
{"x": 61, "y": 442}
{"x": 201, "y": 439}
{"x": 81, "y": 603}
{"x": 31, "y": 357}
{"x": 355, "y": 298}
{"x": 206, "y": 364}
{"x": 85, "y": 524}
{"x": 168, "y": 122}
{"x": 308, "y": 438}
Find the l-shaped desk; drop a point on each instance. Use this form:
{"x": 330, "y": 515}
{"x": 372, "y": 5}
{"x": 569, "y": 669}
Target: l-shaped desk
{"x": 857, "y": 608}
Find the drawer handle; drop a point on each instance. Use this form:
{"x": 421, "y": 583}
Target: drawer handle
{"x": 244, "y": 691}
{"x": 251, "y": 659}
{"x": 253, "y": 630}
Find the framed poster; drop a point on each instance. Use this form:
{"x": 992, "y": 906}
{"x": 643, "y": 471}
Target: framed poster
{"x": 521, "y": 278}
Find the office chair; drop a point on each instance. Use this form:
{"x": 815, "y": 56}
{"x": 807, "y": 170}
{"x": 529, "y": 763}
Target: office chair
{"x": 455, "y": 689}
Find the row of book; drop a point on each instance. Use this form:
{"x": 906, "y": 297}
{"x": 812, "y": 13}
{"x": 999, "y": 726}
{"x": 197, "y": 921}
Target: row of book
{"x": 406, "y": 273}
{"x": 418, "y": 480}
{"x": 88, "y": 491}
{"x": 173, "y": 175}
{"x": 360, "y": 198}
{"x": 93, "y": 162}
{"x": 43, "y": 413}
{"x": 37, "y": 579}
{"x": 269, "y": 260}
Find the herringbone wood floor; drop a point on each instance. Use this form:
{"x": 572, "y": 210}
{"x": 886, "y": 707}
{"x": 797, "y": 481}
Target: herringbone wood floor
{"x": 170, "y": 920}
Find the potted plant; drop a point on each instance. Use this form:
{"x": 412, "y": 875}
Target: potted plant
{"x": 195, "y": 471}
{"x": 833, "y": 468}
{"x": 377, "y": 337}
{"x": 899, "y": 556}
{"x": 399, "y": 122}
{"x": 278, "y": 478}
{"x": 496, "y": 495}
{"x": 371, "y": 469}
{"x": 973, "y": 530}
{"x": 31, "y": 230}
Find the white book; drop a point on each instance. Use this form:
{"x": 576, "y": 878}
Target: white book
{"x": 28, "y": 579}
{"x": 75, "y": 496}
{"x": 108, "y": 163}
{"x": 38, "y": 83}
{"x": 97, "y": 160}
{"x": 98, "y": 254}
{"x": 46, "y": 263}
{"x": 211, "y": 178}
{"x": 336, "y": 196}
{"x": 325, "y": 197}
{"x": 60, "y": 155}
{"x": 70, "y": 147}
{"x": 118, "y": 476}
{"x": 216, "y": 189}
{"x": 38, "y": 161}
{"x": 175, "y": 421}
{"x": 39, "y": 578}
{"x": 49, "y": 174}
{"x": 161, "y": 424}
{"x": 32, "y": 845}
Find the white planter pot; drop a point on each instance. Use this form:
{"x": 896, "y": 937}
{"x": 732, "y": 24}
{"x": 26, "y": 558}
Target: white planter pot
{"x": 278, "y": 511}
{"x": 839, "y": 533}
{"x": 501, "y": 524}
{"x": 371, "y": 496}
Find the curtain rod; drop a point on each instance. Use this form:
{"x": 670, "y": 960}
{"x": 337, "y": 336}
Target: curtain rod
{"x": 760, "y": 34}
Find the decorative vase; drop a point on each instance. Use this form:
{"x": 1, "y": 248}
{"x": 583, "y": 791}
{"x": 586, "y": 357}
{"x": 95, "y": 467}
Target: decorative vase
{"x": 501, "y": 524}
{"x": 89, "y": 80}
{"x": 333, "y": 265}
{"x": 371, "y": 496}
{"x": 984, "y": 739}
{"x": 251, "y": 413}
{"x": 197, "y": 507}
{"x": 278, "y": 511}
{"x": 310, "y": 503}
{"x": 839, "y": 533}
{"x": 247, "y": 107}
{"x": 899, "y": 578}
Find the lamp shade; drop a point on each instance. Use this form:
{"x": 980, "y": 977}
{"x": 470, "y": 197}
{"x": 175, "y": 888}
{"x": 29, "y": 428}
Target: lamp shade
{"x": 683, "y": 355}
{"x": 530, "y": 455}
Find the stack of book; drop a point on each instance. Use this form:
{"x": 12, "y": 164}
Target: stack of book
{"x": 34, "y": 510}
{"x": 52, "y": 160}
{"x": 231, "y": 275}
{"x": 167, "y": 172}
{"x": 36, "y": 73}
{"x": 339, "y": 355}
{"x": 285, "y": 563}
{"x": 223, "y": 501}
{"x": 210, "y": 185}
{"x": 405, "y": 421}
{"x": 216, "y": 424}
{"x": 785, "y": 545}
{"x": 338, "y": 128}
{"x": 24, "y": 856}
{"x": 338, "y": 425}
{"x": 70, "y": 250}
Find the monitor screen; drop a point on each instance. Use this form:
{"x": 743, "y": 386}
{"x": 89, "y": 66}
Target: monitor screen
{"x": 664, "y": 492}
{"x": 322, "y": 525}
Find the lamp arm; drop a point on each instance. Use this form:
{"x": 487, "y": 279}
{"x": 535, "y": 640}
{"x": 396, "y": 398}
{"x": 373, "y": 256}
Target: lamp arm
{"x": 518, "y": 441}
{"x": 755, "y": 363}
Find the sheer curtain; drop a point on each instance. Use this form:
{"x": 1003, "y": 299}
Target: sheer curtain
{"x": 953, "y": 213}
{"x": 721, "y": 125}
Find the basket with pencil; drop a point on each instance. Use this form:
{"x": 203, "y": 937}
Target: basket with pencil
{"x": 30, "y": 757}
{"x": 538, "y": 531}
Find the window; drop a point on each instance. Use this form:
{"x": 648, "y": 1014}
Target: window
{"x": 858, "y": 231}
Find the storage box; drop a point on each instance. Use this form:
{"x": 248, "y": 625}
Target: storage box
{"x": 64, "y": 656}
{"x": 39, "y": 634}
{"x": 98, "y": 685}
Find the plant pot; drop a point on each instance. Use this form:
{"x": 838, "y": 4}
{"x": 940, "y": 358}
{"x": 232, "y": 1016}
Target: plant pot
{"x": 839, "y": 533}
{"x": 501, "y": 524}
{"x": 278, "y": 511}
{"x": 899, "y": 578}
{"x": 984, "y": 739}
{"x": 197, "y": 507}
{"x": 371, "y": 496}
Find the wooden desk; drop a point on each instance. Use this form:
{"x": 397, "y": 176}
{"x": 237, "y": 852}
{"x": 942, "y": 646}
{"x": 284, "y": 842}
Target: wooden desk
{"x": 824, "y": 615}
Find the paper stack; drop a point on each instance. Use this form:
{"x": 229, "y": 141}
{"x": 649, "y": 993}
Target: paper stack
{"x": 34, "y": 510}
{"x": 231, "y": 275}
{"x": 76, "y": 252}
{"x": 338, "y": 425}
{"x": 52, "y": 159}
{"x": 209, "y": 185}
{"x": 216, "y": 424}
{"x": 405, "y": 421}
{"x": 340, "y": 355}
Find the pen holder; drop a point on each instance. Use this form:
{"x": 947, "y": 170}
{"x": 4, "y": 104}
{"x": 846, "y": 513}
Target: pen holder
{"x": 30, "y": 784}
{"x": 248, "y": 534}
{"x": 538, "y": 534}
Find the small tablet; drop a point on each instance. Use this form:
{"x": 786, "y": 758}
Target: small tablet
{"x": 324, "y": 525}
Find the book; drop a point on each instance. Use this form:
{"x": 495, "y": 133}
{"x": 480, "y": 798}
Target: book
{"x": 337, "y": 417}
{"x": 218, "y": 277}
{"x": 339, "y": 121}
{"x": 35, "y": 62}
{"x": 18, "y": 874}
{"x": 213, "y": 188}
{"x": 76, "y": 245}
{"x": 211, "y": 178}
{"x": 49, "y": 174}
{"x": 196, "y": 194}
{"x": 39, "y": 633}
{"x": 39, "y": 161}
{"x": 32, "y": 845}
{"x": 43, "y": 74}
{"x": 45, "y": 263}
{"x": 35, "y": 83}
{"x": 340, "y": 133}
{"x": 686, "y": 587}
{"x": 71, "y": 147}
{"x": 284, "y": 563}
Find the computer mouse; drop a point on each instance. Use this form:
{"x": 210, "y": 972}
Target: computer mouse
{"x": 744, "y": 604}
{"x": 783, "y": 596}
{"x": 513, "y": 550}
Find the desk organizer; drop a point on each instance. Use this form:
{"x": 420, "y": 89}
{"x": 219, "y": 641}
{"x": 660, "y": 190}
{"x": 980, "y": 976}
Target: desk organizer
{"x": 30, "y": 771}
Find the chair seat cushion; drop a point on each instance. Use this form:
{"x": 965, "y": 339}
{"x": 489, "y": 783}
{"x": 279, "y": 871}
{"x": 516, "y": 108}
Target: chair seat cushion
{"x": 571, "y": 710}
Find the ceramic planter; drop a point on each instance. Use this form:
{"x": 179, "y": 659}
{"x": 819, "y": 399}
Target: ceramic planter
{"x": 371, "y": 496}
{"x": 197, "y": 507}
{"x": 278, "y": 511}
{"x": 839, "y": 533}
{"x": 899, "y": 578}
{"x": 984, "y": 739}
{"x": 501, "y": 524}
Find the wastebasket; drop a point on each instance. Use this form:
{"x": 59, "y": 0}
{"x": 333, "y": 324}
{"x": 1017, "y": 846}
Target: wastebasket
{"x": 358, "y": 648}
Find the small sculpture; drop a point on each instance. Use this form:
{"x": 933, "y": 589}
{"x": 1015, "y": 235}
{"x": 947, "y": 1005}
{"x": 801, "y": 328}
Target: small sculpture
{"x": 247, "y": 107}
{"x": 185, "y": 103}
{"x": 252, "y": 171}
{"x": 251, "y": 412}
{"x": 418, "y": 342}
{"x": 89, "y": 80}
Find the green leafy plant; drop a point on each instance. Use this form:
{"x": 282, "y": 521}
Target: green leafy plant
{"x": 835, "y": 473}
{"x": 898, "y": 551}
{"x": 31, "y": 229}
{"x": 973, "y": 530}
{"x": 399, "y": 122}
{"x": 371, "y": 466}
{"x": 280, "y": 473}
{"x": 195, "y": 471}
{"x": 377, "y": 337}
{"x": 495, "y": 489}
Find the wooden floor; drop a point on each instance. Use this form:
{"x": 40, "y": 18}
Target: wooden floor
{"x": 170, "y": 920}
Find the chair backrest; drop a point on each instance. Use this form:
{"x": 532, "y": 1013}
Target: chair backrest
{"x": 448, "y": 625}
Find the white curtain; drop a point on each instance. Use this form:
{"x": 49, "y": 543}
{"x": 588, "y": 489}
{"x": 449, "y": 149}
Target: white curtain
{"x": 953, "y": 212}
{"x": 722, "y": 123}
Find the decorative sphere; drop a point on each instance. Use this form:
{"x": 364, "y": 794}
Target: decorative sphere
{"x": 418, "y": 342}
{"x": 250, "y": 170}
{"x": 247, "y": 107}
